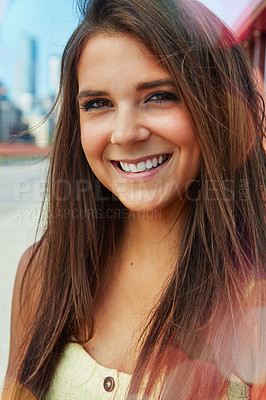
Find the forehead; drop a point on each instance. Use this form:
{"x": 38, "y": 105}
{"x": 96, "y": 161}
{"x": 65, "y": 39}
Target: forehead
{"x": 117, "y": 57}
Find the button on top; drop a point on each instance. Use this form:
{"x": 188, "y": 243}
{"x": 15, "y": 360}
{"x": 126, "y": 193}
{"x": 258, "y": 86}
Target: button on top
{"x": 109, "y": 384}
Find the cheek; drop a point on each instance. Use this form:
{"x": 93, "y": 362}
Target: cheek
{"x": 176, "y": 127}
{"x": 179, "y": 130}
{"x": 93, "y": 139}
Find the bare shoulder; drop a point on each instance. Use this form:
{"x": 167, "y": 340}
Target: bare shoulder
{"x": 249, "y": 358}
{"x": 24, "y": 302}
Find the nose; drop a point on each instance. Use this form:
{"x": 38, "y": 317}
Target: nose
{"x": 128, "y": 127}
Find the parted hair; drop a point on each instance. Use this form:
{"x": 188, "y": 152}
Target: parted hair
{"x": 188, "y": 344}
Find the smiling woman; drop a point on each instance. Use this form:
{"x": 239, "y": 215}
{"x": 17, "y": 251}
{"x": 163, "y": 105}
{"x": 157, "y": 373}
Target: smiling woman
{"x": 149, "y": 281}
{"x": 136, "y": 133}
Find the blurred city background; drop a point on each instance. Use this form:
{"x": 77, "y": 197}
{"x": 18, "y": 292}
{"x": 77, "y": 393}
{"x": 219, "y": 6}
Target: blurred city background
{"x": 32, "y": 37}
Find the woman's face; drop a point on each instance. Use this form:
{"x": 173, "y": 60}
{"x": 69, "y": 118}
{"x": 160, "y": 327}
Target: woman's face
{"x": 135, "y": 131}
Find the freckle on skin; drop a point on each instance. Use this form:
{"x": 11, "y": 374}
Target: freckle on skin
{"x": 131, "y": 263}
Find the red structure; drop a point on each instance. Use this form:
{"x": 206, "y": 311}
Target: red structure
{"x": 251, "y": 31}
{"x": 13, "y": 150}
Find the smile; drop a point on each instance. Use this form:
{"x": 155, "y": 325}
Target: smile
{"x": 149, "y": 164}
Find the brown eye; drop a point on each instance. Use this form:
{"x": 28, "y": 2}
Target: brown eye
{"x": 95, "y": 104}
{"x": 162, "y": 97}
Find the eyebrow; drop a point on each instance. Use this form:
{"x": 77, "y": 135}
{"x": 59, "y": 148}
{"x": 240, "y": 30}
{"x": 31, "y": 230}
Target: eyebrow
{"x": 155, "y": 84}
{"x": 91, "y": 93}
{"x": 140, "y": 86}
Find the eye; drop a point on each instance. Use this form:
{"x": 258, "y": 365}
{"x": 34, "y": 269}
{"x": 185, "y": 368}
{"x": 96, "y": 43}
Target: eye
{"x": 162, "y": 97}
{"x": 95, "y": 105}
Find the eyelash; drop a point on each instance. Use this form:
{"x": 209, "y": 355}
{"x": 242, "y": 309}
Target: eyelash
{"x": 88, "y": 105}
{"x": 165, "y": 97}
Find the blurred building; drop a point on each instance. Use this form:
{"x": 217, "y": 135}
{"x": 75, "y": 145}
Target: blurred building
{"x": 3, "y": 92}
{"x": 11, "y": 119}
{"x": 27, "y": 73}
{"x": 27, "y": 98}
{"x": 54, "y": 73}
{"x": 39, "y": 130}
{"x": 251, "y": 30}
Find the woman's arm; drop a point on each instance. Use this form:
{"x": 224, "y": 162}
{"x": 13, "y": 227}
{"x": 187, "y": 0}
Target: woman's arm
{"x": 21, "y": 318}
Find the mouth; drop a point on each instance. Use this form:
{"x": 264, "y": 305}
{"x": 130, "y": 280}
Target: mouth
{"x": 145, "y": 165}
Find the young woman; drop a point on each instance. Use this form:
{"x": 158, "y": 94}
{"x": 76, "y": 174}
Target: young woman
{"x": 148, "y": 280}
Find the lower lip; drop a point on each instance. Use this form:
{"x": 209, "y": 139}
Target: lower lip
{"x": 141, "y": 176}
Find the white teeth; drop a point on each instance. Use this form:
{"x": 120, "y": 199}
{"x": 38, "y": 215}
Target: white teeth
{"x": 133, "y": 168}
{"x": 124, "y": 166}
{"x": 148, "y": 164}
{"x": 143, "y": 165}
{"x": 127, "y": 169}
{"x": 154, "y": 162}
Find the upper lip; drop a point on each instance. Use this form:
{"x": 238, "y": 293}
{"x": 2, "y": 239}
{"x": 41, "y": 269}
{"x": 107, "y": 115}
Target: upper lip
{"x": 144, "y": 158}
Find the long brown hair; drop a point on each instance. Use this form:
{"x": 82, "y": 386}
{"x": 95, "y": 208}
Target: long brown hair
{"x": 222, "y": 249}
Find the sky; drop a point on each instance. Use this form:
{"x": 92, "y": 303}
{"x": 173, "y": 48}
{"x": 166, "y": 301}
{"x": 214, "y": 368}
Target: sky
{"x": 52, "y": 22}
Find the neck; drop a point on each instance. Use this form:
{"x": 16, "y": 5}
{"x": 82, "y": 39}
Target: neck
{"x": 152, "y": 239}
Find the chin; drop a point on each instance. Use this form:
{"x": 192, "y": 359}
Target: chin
{"x": 149, "y": 208}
